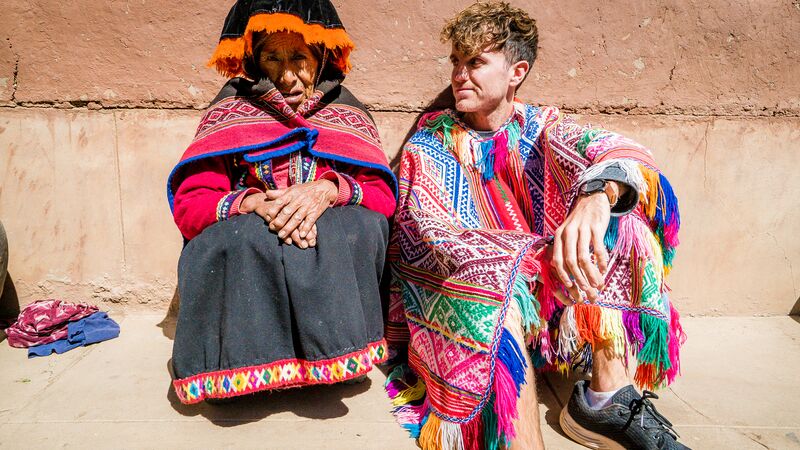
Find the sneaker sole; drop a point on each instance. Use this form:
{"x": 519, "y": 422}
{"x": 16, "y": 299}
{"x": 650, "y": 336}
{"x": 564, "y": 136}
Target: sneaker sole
{"x": 583, "y": 436}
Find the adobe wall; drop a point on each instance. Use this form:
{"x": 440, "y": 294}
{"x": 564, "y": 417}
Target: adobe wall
{"x": 99, "y": 99}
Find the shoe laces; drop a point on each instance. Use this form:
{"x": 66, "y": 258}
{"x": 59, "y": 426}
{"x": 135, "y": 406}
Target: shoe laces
{"x": 644, "y": 407}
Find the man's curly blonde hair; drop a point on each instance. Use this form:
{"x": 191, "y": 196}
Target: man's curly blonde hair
{"x": 494, "y": 26}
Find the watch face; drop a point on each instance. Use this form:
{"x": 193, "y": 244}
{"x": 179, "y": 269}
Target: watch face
{"x": 593, "y": 186}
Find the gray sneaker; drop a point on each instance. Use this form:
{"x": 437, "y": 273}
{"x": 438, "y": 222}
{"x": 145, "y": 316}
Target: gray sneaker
{"x": 629, "y": 422}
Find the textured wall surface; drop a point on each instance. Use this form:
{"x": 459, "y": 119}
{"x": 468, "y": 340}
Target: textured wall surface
{"x": 92, "y": 117}
{"x": 720, "y": 57}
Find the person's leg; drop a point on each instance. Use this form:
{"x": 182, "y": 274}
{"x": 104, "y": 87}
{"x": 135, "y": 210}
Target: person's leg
{"x": 234, "y": 309}
{"x": 527, "y": 426}
{"x": 529, "y": 432}
{"x": 609, "y": 372}
{"x": 336, "y": 296}
{"x": 601, "y": 412}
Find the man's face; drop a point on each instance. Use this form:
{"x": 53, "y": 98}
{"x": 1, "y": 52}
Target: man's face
{"x": 480, "y": 82}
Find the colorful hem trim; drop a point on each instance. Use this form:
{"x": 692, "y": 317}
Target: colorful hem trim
{"x": 357, "y": 195}
{"x": 225, "y": 204}
{"x": 264, "y": 173}
{"x": 281, "y": 374}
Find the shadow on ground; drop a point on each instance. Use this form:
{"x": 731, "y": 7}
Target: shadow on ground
{"x": 795, "y": 311}
{"x": 167, "y": 324}
{"x": 554, "y": 391}
{"x": 323, "y": 402}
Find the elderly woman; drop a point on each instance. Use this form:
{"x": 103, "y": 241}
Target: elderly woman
{"x": 283, "y": 199}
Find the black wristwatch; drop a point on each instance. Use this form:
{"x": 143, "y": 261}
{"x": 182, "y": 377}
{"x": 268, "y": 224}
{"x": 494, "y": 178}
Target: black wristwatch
{"x": 597, "y": 186}
{"x": 593, "y": 186}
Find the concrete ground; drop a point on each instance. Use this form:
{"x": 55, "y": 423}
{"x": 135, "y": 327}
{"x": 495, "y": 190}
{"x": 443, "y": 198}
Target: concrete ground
{"x": 740, "y": 390}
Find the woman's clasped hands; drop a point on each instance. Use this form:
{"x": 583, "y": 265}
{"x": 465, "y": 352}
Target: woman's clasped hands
{"x": 292, "y": 213}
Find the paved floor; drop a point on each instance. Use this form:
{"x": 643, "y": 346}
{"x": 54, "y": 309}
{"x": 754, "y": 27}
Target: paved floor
{"x": 741, "y": 390}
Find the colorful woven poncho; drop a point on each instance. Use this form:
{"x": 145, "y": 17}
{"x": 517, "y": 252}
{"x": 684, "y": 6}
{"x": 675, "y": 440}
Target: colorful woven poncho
{"x": 466, "y": 260}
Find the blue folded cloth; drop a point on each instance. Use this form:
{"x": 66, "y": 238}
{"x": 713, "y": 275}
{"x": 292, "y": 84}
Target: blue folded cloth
{"x": 91, "y": 329}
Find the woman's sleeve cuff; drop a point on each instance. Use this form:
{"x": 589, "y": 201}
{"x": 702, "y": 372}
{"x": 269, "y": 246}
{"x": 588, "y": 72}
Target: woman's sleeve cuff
{"x": 230, "y": 203}
{"x": 343, "y": 184}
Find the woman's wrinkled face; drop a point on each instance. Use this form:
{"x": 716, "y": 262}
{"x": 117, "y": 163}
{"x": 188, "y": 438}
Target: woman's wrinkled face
{"x": 289, "y": 63}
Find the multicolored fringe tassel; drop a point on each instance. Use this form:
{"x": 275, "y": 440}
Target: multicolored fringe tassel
{"x": 489, "y": 156}
{"x": 654, "y": 341}
{"x": 658, "y": 207}
{"x": 649, "y": 328}
{"x": 491, "y": 426}
{"x": 229, "y": 56}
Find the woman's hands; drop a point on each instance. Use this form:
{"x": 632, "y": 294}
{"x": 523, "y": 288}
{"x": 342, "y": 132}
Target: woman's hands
{"x": 579, "y": 256}
{"x": 293, "y": 212}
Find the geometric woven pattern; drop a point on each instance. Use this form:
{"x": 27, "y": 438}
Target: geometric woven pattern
{"x": 453, "y": 274}
{"x": 454, "y": 246}
{"x": 348, "y": 119}
{"x": 282, "y": 374}
{"x": 444, "y": 190}
{"x": 266, "y": 127}
{"x": 232, "y": 112}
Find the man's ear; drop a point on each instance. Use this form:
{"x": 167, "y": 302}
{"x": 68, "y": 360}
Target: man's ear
{"x": 518, "y": 72}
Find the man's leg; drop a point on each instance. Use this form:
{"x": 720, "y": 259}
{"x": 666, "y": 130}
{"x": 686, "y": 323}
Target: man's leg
{"x": 609, "y": 372}
{"x": 527, "y": 426}
{"x": 601, "y": 413}
{"x": 529, "y": 432}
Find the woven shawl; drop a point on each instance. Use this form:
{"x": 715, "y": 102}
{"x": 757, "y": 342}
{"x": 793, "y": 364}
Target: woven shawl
{"x": 462, "y": 264}
{"x": 252, "y": 119}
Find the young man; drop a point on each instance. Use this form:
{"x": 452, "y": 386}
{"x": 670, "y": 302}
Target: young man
{"x": 479, "y": 294}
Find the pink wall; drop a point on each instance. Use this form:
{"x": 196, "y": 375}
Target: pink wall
{"x": 98, "y": 100}
{"x": 719, "y": 57}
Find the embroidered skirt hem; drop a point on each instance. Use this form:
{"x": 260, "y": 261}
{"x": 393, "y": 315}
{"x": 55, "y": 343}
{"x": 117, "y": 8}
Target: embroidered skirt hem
{"x": 257, "y": 314}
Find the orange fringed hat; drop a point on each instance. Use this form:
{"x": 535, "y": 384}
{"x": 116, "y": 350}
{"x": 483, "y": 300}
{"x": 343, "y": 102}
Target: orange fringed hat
{"x": 316, "y": 20}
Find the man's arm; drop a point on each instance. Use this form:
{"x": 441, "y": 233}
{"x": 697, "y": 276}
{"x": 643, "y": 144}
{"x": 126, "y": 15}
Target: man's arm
{"x": 632, "y": 184}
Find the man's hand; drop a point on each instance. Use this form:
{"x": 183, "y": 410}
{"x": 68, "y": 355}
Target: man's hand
{"x": 293, "y": 212}
{"x": 579, "y": 257}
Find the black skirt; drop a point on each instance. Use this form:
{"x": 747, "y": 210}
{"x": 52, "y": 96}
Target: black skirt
{"x": 257, "y": 314}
